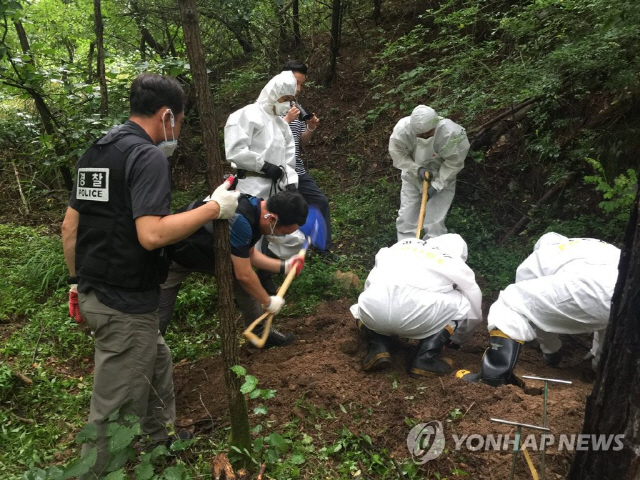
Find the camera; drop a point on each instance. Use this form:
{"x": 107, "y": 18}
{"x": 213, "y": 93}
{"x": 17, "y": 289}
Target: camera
{"x": 304, "y": 115}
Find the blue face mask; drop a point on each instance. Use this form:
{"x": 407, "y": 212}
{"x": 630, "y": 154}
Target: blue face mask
{"x": 169, "y": 146}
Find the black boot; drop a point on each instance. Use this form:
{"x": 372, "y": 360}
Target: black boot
{"x": 429, "y": 360}
{"x": 276, "y": 338}
{"x": 378, "y": 356}
{"x": 552, "y": 359}
{"x": 498, "y": 361}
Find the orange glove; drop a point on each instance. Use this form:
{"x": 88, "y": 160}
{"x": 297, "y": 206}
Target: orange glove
{"x": 74, "y": 308}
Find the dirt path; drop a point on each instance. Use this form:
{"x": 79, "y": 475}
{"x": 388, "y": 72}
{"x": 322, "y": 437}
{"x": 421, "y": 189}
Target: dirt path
{"x": 321, "y": 370}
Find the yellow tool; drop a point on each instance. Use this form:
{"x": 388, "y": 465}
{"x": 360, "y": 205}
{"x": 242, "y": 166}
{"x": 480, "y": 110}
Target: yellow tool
{"x": 423, "y": 204}
{"x": 259, "y": 341}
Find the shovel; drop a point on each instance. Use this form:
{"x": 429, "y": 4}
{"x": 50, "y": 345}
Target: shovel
{"x": 315, "y": 230}
{"x": 423, "y": 204}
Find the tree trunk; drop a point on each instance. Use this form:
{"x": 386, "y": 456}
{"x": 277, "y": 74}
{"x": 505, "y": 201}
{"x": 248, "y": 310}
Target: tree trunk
{"x": 334, "y": 44}
{"x": 240, "y": 436}
{"x": 376, "y": 11}
{"x": 102, "y": 79}
{"x": 139, "y": 18}
{"x": 48, "y": 121}
{"x": 92, "y": 47}
{"x": 613, "y": 407}
{"x": 295, "y": 13}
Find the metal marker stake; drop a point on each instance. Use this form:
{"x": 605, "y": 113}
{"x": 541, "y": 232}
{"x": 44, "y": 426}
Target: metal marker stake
{"x": 516, "y": 447}
{"x": 544, "y": 413}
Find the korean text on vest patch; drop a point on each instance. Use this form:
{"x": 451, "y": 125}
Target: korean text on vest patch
{"x": 93, "y": 184}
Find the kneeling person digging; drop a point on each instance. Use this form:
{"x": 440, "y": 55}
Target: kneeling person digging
{"x": 422, "y": 290}
{"x": 281, "y": 214}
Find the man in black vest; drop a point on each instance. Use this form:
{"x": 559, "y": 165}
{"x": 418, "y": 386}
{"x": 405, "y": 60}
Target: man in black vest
{"x": 281, "y": 214}
{"x": 113, "y": 234}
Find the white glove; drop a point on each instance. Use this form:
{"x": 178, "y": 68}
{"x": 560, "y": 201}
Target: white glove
{"x": 227, "y": 200}
{"x": 275, "y": 305}
{"x": 296, "y": 261}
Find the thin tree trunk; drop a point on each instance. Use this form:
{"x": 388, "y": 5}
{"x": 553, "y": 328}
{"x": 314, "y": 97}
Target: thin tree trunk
{"x": 240, "y": 436}
{"x": 613, "y": 408}
{"x": 92, "y": 48}
{"x": 102, "y": 79}
{"x": 295, "y": 13}
{"x": 376, "y": 11}
{"x": 139, "y": 18}
{"x": 334, "y": 43}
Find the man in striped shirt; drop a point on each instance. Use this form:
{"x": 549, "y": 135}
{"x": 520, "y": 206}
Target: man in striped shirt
{"x": 302, "y": 133}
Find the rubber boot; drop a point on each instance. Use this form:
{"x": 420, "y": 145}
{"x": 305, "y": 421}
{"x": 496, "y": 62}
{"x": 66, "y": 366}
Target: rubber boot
{"x": 429, "y": 360}
{"x": 378, "y": 356}
{"x": 498, "y": 361}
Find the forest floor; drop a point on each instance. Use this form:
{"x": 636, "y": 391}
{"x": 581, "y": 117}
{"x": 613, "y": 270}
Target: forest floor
{"x": 321, "y": 386}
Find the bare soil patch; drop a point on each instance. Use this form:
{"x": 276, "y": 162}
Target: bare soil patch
{"x": 322, "y": 370}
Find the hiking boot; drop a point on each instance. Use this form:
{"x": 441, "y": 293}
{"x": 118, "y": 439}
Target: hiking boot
{"x": 429, "y": 360}
{"x": 278, "y": 339}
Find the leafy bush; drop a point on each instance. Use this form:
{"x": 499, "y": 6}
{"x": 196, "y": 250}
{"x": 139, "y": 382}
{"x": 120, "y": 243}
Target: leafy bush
{"x": 618, "y": 196}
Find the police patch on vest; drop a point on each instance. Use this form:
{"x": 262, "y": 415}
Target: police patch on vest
{"x": 93, "y": 184}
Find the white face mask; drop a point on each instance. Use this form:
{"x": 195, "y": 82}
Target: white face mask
{"x": 282, "y": 108}
{"x": 424, "y": 142}
{"x": 168, "y": 146}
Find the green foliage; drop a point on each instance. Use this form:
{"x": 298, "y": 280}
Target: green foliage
{"x": 153, "y": 461}
{"x": 495, "y": 264}
{"x": 32, "y": 265}
{"x": 484, "y": 54}
{"x": 619, "y": 195}
{"x": 363, "y": 220}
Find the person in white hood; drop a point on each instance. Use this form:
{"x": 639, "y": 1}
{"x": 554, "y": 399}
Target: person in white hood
{"x": 564, "y": 287}
{"x": 426, "y": 143}
{"x": 259, "y": 143}
{"x": 421, "y": 290}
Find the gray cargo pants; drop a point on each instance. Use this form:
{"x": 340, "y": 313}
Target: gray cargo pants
{"x": 132, "y": 371}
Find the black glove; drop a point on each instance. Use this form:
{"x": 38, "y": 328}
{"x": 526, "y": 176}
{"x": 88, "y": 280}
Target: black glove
{"x": 431, "y": 191}
{"x": 292, "y": 188}
{"x": 272, "y": 171}
{"x": 422, "y": 174}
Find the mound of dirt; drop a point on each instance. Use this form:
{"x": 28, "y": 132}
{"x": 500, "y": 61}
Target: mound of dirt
{"x": 322, "y": 371}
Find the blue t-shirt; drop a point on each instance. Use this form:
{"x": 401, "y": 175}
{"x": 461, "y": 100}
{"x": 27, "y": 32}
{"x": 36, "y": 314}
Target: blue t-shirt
{"x": 196, "y": 251}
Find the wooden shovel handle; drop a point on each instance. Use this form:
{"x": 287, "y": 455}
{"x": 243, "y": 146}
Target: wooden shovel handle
{"x": 423, "y": 206}
{"x": 248, "y": 333}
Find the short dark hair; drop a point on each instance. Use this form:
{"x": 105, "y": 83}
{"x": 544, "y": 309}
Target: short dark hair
{"x": 290, "y": 207}
{"x": 150, "y": 92}
{"x": 295, "y": 66}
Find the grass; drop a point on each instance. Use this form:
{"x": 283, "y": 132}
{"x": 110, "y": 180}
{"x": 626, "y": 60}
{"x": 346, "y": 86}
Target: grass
{"x": 43, "y": 343}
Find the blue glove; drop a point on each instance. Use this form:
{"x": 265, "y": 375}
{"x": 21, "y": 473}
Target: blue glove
{"x": 431, "y": 191}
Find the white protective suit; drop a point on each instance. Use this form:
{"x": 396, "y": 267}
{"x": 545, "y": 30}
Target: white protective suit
{"x": 443, "y": 155}
{"x": 418, "y": 287}
{"x": 254, "y": 135}
{"x": 564, "y": 286}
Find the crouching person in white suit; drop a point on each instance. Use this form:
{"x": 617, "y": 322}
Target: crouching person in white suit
{"x": 564, "y": 286}
{"x": 422, "y": 290}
